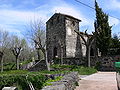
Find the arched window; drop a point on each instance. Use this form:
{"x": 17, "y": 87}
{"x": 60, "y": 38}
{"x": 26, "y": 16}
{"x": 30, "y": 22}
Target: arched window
{"x": 69, "y": 31}
{"x": 58, "y": 19}
{"x": 73, "y": 23}
{"x": 55, "y": 52}
{"x": 91, "y": 52}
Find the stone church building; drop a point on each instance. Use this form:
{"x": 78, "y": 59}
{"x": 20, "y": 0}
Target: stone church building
{"x": 62, "y": 40}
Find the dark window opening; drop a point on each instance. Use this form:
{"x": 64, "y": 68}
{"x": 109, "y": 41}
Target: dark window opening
{"x": 51, "y": 22}
{"x": 73, "y": 23}
{"x": 58, "y": 19}
{"x": 54, "y": 37}
{"x": 91, "y": 52}
{"x": 55, "y": 52}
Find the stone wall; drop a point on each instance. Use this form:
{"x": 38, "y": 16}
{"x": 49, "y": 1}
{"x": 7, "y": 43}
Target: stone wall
{"x": 107, "y": 62}
{"x": 68, "y": 82}
{"x": 73, "y": 43}
{"x": 104, "y": 63}
{"x": 61, "y": 39}
{"x": 39, "y": 66}
{"x": 27, "y": 66}
{"x": 73, "y": 61}
{"x": 55, "y": 36}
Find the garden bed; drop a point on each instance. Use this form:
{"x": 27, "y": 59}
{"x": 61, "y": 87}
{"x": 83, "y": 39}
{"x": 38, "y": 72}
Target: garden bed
{"x": 22, "y": 78}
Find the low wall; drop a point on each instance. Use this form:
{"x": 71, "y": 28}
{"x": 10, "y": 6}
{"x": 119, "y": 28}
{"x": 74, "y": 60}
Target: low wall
{"x": 68, "y": 82}
{"x": 27, "y": 66}
{"x": 39, "y": 66}
{"x": 79, "y": 61}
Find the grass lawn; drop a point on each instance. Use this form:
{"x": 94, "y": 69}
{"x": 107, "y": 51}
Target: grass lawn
{"x": 57, "y": 70}
{"x": 69, "y": 68}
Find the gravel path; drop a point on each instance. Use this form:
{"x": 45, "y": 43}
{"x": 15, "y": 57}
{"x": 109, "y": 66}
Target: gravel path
{"x": 98, "y": 81}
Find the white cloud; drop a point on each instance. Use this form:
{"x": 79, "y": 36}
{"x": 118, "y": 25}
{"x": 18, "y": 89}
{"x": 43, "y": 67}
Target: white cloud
{"x": 21, "y": 16}
{"x": 113, "y": 21}
{"x": 112, "y": 4}
{"x": 8, "y": 28}
{"x": 69, "y": 10}
{"x": 11, "y": 20}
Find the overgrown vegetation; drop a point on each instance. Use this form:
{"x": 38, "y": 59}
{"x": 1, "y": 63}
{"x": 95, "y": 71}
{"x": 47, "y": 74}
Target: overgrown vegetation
{"x": 69, "y": 68}
{"x": 22, "y": 79}
{"x": 51, "y": 80}
{"x": 9, "y": 66}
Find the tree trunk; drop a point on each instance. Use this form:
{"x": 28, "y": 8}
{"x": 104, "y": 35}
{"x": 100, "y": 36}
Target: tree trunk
{"x": 1, "y": 63}
{"x": 96, "y": 51}
{"x": 47, "y": 64}
{"x": 12, "y": 66}
{"x": 38, "y": 54}
{"x": 61, "y": 56}
{"x": 88, "y": 55}
{"x": 17, "y": 63}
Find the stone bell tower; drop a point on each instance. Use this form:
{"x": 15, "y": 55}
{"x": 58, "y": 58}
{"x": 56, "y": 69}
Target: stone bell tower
{"x": 61, "y": 38}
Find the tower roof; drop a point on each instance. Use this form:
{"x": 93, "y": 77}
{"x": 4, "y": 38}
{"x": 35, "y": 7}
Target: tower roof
{"x": 69, "y": 16}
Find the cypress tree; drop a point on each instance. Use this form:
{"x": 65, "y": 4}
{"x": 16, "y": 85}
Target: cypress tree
{"x": 103, "y": 30}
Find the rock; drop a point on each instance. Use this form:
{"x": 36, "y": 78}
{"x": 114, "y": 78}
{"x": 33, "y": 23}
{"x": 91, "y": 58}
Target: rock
{"x": 9, "y": 88}
{"x": 66, "y": 83}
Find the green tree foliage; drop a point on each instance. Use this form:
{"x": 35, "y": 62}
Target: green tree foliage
{"x": 22, "y": 81}
{"x": 103, "y": 37}
{"x": 115, "y": 46}
{"x": 115, "y": 42}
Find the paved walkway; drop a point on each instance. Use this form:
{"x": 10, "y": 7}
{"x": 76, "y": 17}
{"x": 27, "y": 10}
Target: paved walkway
{"x": 98, "y": 81}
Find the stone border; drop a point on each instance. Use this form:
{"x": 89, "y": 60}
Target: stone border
{"x": 68, "y": 82}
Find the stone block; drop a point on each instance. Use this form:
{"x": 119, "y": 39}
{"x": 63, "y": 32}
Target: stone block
{"x": 9, "y": 88}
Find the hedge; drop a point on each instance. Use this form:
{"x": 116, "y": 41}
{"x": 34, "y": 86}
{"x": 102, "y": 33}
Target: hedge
{"x": 22, "y": 80}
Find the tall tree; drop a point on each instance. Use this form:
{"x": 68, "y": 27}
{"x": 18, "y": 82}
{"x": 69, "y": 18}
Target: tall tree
{"x": 88, "y": 43}
{"x": 36, "y": 33}
{"x": 115, "y": 41}
{"x": 115, "y": 46}
{"x": 17, "y": 46}
{"x": 103, "y": 30}
{"x": 4, "y": 41}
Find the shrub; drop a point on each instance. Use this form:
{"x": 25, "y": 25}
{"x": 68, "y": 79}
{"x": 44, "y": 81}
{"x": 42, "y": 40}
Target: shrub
{"x": 21, "y": 80}
{"x": 26, "y": 62}
{"x": 9, "y": 66}
{"x": 98, "y": 65}
{"x": 85, "y": 70}
{"x": 47, "y": 83}
{"x": 57, "y": 60}
{"x": 80, "y": 69}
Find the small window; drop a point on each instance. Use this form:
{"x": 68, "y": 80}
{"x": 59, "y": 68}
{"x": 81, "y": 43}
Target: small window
{"x": 73, "y": 23}
{"x": 51, "y": 23}
{"x": 58, "y": 19}
{"x": 91, "y": 52}
{"x": 55, "y": 52}
{"x": 69, "y": 31}
{"x": 54, "y": 37}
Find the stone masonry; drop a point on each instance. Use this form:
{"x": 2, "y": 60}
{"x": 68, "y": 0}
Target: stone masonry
{"x": 63, "y": 42}
{"x": 68, "y": 82}
{"x": 61, "y": 38}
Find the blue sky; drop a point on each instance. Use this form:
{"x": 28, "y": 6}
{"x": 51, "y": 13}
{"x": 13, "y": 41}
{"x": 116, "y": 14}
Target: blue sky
{"x": 16, "y": 14}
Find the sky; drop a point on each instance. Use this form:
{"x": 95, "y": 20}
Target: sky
{"x": 15, "y": 15}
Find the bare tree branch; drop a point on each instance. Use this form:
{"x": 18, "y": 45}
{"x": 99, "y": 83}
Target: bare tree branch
{"x": 81, "y": 35}
{"x": 4, "y": 41}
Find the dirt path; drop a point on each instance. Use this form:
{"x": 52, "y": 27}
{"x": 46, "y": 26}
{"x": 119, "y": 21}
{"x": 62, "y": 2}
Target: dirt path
{"x": 98, "y": 81}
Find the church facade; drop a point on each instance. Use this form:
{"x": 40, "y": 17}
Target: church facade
{"x": 62, "y": 40}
